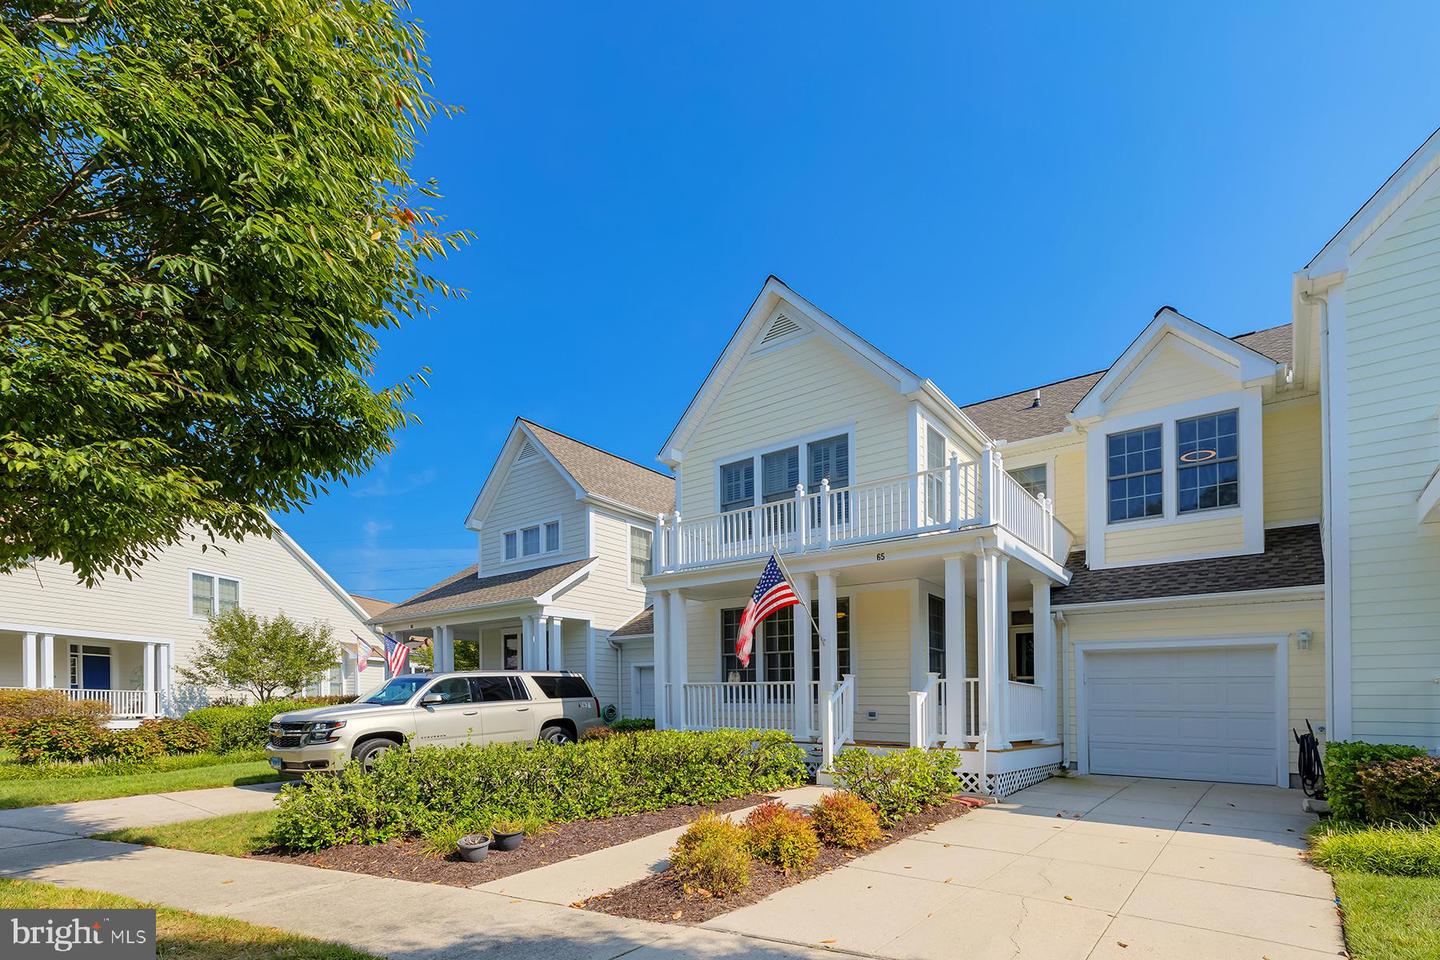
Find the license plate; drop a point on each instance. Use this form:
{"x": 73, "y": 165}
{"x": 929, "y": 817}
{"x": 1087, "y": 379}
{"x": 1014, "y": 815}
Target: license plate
{"x": 275, "y": 762}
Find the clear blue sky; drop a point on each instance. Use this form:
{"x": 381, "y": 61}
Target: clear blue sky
{"x": 998, "y": 198}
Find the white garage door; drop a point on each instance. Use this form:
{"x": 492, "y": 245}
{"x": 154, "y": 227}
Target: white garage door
{"x": 1192, "y": 714}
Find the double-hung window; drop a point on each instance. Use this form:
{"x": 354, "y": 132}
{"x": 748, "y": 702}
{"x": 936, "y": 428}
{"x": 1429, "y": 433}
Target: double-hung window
{"x": 737, "y": 492}
{"x": 1135, "y": 486}
{"x": 730, "y": 667}
{"x": 779, "y": 476}
{"x": 937, "y": 634}
{"x": 1033, "y": 479}
{"x": 779, "y": 630}
{"x": 532, "y": 541}
{"x": 641, "y": 565}
{"x": 935, "y": 475}
{"x": 212, "y": 595}
{"x": 1207, "y": 462}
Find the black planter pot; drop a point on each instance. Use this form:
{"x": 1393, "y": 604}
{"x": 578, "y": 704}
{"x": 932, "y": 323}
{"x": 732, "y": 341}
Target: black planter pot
{"x": 473, "y": 848}
{"x": 507, "y": 841}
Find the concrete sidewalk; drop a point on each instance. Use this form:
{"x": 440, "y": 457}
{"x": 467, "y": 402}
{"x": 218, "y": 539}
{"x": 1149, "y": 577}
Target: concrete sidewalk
{"x": 89, "y": 817}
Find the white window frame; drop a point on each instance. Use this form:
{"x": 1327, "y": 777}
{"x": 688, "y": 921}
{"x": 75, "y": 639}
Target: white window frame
{"x": 519, "y": 534}
{"x": 1239, "y": 499}
{"x": 75, "y": 669}
{"x": 802, "y": 442}
{"x": 215, "y": 579}
{"x": 1166, "y": 476}
{"x": 630, "y": 554}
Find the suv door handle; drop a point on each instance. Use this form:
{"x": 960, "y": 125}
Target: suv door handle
{"x": 521, "y": 709}
{"x": 471, "y": 713}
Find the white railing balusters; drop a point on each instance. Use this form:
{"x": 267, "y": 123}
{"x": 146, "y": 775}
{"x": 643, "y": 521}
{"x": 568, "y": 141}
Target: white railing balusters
{"x": 972, "y": 708}
{"x": 126, "y": 704}
{"x": 1027, "y": 711}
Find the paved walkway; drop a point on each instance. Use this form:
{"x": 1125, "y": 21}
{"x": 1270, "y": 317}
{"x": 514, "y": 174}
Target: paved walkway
{"x": 1085, "y": 867}
{"x": 89, "y": 817}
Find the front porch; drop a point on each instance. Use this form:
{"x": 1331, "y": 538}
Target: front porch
{"x": 130, "y": 675}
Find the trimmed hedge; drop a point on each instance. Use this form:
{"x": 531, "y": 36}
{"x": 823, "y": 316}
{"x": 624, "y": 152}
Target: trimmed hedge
{"x": 76, "y": 739}
{"x": 244, "y": 727}
{"x": 899, "y": 783}
{"x": 413, "y": 792}
{"x": 633, "y": 724}
{"x": 1342, "y": 782}
{"x": 1405, "y": 790}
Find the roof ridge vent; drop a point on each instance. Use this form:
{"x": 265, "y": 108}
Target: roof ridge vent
{"x": 782, "y": 326}
{"x": 1035, "y": 401}
{"x": 527, "y": 452}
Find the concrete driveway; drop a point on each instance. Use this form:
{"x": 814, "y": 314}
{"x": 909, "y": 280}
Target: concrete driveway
{"x": 1079, "y": 867}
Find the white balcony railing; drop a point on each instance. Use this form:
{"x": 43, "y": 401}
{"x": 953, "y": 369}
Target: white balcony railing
{"x": 1026, "y": 719}
{"x": 125, "y": 704}
{"x": 964, "y": 494}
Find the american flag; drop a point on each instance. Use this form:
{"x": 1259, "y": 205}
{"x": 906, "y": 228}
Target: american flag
{"x": 363, "y": 651}
{"x": 772, "y": 593}
{"x": 397, "y": 655}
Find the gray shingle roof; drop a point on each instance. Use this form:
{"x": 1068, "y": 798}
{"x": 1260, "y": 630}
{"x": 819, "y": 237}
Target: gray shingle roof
{"x": 642, "y": 625}
{"x": 371, "y": 605}
{"x": 607, "y": 475}
{"x": 1012, "y": 417}
{"x": 465, "y": 591}
{"x": 1293, "y": 558}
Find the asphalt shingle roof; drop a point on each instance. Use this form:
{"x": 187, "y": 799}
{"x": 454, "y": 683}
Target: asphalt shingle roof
{"x": 607, "y": 475}
{"x": 1293, "y": 557}
{"x": 371, "y": 606}
{"x": 465, "y": 591}
{"x": 1014, "y": 416}
{"x": 642, "y": 625}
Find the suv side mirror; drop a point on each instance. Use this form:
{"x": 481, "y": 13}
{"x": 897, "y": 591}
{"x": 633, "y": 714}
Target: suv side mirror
{"x": 430, "y": 699}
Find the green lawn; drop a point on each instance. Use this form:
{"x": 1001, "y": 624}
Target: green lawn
{"x": 233, "y": 835}
{"x": 31, "y": 793}
{"x": 1390, "y": 918}
{"x": 183, "y": 935}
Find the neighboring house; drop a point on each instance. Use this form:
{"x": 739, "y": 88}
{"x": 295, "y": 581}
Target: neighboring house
{"x": 564, "y": 536}
{"x": 1368, "y": 308}
{"x": 1120, "y": 571}
{"x": 124, "y": 640}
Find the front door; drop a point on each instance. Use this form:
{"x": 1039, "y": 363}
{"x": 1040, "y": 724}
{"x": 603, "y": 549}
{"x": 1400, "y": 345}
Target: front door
{"x": 94, "y": 668}
{"x": 451, "y": 721}
{"x": 642, "y": 698}
{"x": 511, "y": 644}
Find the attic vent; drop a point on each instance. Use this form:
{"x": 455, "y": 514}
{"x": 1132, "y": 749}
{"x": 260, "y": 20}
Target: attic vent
{"x": 1035, "y": 402}
{"x": 527, "y": 452}
{"x": 781, "y": 326}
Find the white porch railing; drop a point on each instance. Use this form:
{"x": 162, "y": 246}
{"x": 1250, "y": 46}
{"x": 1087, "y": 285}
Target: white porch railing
{"x": 927, "y": 713}
{"x": 837, "y": 721}
{"x": 125, "y": 704}
{"x": 972, "y": 708}
{"x": 1026, "y": 719}
{"x": 763, "y": 705}
{"x": 963, "y": 494}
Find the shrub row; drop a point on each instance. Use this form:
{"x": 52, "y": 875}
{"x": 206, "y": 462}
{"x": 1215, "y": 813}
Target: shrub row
{"x": 243, "y": 726}
{"x": 415, "y": 792}
{"x": 74, "y": 739}
{"x": 632, "y": 724}
{"x": 1343, "y": 761}
{"x": 19, "y": 707}
{"x": 1406, "y": 790}
{"x": 899, "y": 783}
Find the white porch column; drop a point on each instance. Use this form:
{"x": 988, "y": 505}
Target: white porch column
{"x": 590, "y": 656}
{"x": 542, "y": 643}
{"x": 829, "y": 654}
{"x": 149, "y": 682}
{"x": 557, "y": 643}
{"x": 528, "y": 660}
{"x": 443, "y": 649}
{"x": 662, "y": 659}
{"x": 804, "y": 643}
{"x": 1000, "y": 642}
{"x": 679, "y": 657}
{"x": 1045, "y": 655}
{"x": 992, "y": 623}
{"x": 29, "y": 667}
{"x": 163, "y": 666}
{"x": 47, "y": 661}
{"x": 956, "y": 668}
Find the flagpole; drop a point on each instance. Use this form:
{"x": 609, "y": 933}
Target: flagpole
{"x": 811, "y": 613}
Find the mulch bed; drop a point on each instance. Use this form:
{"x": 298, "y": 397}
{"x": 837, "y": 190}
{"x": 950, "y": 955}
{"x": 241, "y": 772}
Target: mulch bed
{"x": 660, "y": 897}
{"x": 409, "y": 860}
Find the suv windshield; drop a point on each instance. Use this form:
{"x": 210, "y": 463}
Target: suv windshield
{"x": 397, "y": 690}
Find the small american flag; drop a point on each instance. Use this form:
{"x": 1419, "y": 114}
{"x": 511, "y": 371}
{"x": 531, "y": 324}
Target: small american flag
{"x": 772, "y": 593}
{"x": 397, "y": 655}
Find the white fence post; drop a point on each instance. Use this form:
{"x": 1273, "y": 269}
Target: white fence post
{"x": 918, "y": 733}
{"x": 825, "y": 513}
{"x": 802, "y": 522}
{"x": 988, "y": 491}
{"x": 954, "y": 491}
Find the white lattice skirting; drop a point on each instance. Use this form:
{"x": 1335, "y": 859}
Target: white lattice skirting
{"x": 1008, "y": 782}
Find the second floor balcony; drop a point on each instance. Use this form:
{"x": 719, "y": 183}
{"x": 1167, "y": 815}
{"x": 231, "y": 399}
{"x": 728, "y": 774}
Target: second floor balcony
{"x": 962, "y": 495}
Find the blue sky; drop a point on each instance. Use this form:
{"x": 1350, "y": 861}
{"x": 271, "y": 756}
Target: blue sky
{"x": 997, "y": 196}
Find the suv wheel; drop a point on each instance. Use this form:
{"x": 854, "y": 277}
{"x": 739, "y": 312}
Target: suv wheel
{"x": 372, "y": 750}
{"x": 556, "y": 734}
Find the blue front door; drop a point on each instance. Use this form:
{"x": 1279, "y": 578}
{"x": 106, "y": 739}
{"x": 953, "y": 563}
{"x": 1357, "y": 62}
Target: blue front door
{"x": 94, "y": 672}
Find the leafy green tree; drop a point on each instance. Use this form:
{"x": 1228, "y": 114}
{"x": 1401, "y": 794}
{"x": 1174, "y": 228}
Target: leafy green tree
{"x": 207, "y": 214}
{"x": 262, "y": 656}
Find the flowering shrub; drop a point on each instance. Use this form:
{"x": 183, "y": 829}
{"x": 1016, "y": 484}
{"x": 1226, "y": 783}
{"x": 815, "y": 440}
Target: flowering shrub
{"x": 842, "y": 819}
{"x": 782, "y": 836}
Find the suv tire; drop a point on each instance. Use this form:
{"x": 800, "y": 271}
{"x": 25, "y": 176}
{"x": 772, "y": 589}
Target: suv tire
{"x": 554, "y": 733}
{"x": 372, "y": 750}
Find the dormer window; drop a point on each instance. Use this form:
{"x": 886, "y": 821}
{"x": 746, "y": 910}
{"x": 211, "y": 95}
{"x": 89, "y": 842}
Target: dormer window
{"x": 532, "y": 541}
{"x": 1207, "y": 462}
{"x": 1135, "y": 478}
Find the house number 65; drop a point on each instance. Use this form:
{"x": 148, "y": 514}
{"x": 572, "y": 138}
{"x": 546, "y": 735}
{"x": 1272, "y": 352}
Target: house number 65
{"x": 879, "y": 556}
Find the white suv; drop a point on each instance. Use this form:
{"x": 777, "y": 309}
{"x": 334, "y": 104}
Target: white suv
{"x": 426, "y": 710}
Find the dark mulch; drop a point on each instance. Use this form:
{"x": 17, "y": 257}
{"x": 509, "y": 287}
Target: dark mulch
{"x": 660, "y": 897}
{"x": 409, "y": 860}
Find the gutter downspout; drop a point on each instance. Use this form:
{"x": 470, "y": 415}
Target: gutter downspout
{"x": 1322, "y": 304}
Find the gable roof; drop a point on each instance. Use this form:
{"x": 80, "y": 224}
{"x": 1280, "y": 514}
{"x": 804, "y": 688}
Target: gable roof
{"x": 607, "y": 475}
{"x": 372, "y": 606}
{"x": 640, "y": 625}
{"x": 1293, "y": 557}
{"x": 1014, "y": 417}
{"x": 465, "y": 591}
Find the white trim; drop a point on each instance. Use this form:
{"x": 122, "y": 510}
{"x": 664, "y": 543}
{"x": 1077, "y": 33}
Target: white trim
{"x": 1278, "y": 644}
{"x": 549, "y": 595}
{"x": 80, "y": 652}
{"x": 802, "y": 444}
{"x": 340, "y": 593}
{"x": 500, "y": 473}
{"x": 1335, "y": 488}
{"x": 520, "y": 555}
{"x": 68, "y": 633}
{"x": 635, "y": 669}
{"x": 215, "y": 579}
{"x": 1274, "y": 595}
{"x": 630, "y": 557}
{"x": 1249, "y": 405}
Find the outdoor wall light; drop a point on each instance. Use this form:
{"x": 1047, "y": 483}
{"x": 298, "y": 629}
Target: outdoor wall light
{"x": 1302, "y": 639}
